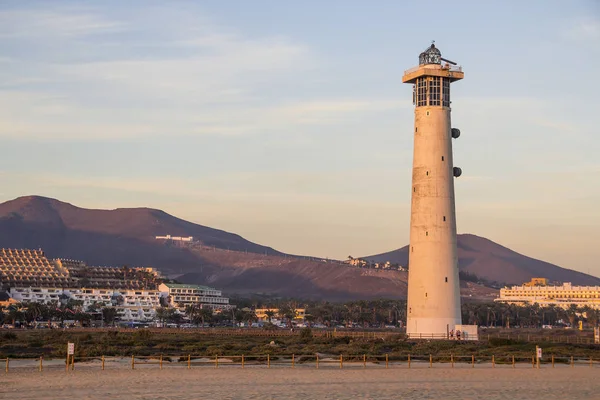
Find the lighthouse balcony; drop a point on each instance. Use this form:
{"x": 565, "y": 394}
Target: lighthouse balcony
{"x": 453, "y": 72}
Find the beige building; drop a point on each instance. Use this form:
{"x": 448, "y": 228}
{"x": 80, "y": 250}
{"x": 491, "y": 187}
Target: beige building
{"x": 562, "y": 296}
{"x": 433, "y": 284}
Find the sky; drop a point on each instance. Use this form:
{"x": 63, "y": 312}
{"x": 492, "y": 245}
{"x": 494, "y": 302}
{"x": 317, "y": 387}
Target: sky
{"x": 288, "y": 123}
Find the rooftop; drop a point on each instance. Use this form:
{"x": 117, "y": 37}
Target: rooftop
{"x": 186, "y": 286}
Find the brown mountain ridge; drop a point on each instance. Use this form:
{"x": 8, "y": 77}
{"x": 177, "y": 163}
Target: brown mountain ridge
{"x": 126, "y": 236}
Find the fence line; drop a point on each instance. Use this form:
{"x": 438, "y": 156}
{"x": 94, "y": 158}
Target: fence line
{"x": 575, "y": 338}
{"x": 311, "y": 360}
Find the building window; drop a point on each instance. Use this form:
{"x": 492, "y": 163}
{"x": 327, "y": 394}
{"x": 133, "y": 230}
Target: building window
{"x": 427, "y": 173}
{"x": 416, "y": 128}
{"x": 421, "y": 91}
{"x": 426, "y": 233}
{"x": 414, "y": 189}
{"x": 442, "y": 158}
{"x": 446, "y": 279}
{"x": 425, "y": 294}
{"x": 434, "y": 91}
{"x": 445, "y": 92}
{"x": 444, "y": 218}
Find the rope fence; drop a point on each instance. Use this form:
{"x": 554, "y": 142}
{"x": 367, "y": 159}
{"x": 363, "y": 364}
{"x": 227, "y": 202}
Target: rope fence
{"x": 317, "y": 361}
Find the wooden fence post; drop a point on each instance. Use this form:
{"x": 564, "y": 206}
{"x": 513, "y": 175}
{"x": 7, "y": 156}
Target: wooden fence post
{"x": 493, "y": 361}
{"x": 364, "y": 361}
{"x": 430, "y": 361}
{"x": 67, "y": 363}
{"x": 41, "y": 365}
{"x": 72, "y": 362}
{"x": 513, "y": 361}
{"x": 293, "y": 360}
{"x": 409, "y": 361}
{"x": 572, "y": 364}
{"x": 161, "y": 361}
{"x": 317, "y": 360}
{"x": 533, "y": 361}
{"x": 132, "y": 362}
{"x": 552, "y": 360}
{"x": 6, "y": 369}
{"x": 102, "y": 363}
{"x": 341, "y": 361}
{"x": 386, "y": 361}
{"x": 472, "y": 361}
{"x": 452, "y": 360}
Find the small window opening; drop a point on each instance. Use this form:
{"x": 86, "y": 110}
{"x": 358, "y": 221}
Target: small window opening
{"x": 427, "y": 173}
{"x": 410, "y": 310}
{"x": 446, "y": 279}
{"x": 442, "y": 158}
{"x": 426, "y": 233}
{"x": 427, "y": 112}
{"x": 425, "y": 294}
{"x": 444, "y": 217}
{"x": 416, "y": 128}
{"x": 412, "y": 248}
{"x": 414, "y": 190}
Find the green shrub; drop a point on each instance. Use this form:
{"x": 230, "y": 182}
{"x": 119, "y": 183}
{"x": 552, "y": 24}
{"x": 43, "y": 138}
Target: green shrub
{"x": 306, "y": 334}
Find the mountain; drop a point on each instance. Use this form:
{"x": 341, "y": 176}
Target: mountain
{"x": 126, "y": 236}
{"x": 107, "y": 237}
{"x": 493, "y": 262}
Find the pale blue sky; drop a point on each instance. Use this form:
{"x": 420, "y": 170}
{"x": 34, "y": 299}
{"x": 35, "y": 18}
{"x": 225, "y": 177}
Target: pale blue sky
{"x": 287, "y": 122}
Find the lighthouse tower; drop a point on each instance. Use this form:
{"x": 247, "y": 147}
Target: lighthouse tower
{"x": 433, "y": 308}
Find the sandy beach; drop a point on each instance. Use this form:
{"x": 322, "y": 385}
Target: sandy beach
{"x": 149, "y": 382}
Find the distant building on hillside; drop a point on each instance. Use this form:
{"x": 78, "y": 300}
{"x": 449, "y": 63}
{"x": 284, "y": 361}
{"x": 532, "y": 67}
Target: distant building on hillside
{"x": 181, "y": 295}
{"x": 537, "y": 282}
{"x": 562, "y": 296}
{"x": 176, "y": 238}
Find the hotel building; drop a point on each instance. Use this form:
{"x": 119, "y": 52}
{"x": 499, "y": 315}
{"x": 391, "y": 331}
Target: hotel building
{"x": 562, "y": 296}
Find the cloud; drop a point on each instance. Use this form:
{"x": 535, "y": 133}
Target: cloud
{"x": 199, "y": 78}
{"x": 68, "y": 22}
{"x": 584, "y": 29}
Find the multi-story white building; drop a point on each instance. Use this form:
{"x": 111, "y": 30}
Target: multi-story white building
{"x": 131, "y": 305}
{"x": 562, "y": 296}
{"x": 181, "y": 295}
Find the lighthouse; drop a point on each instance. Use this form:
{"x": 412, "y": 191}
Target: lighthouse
{"x": 433, "y": 308}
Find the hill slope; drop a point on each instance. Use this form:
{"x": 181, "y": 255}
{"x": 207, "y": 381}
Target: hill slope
{"x": 494, "y": 262}
{"x": 230, "y": 262}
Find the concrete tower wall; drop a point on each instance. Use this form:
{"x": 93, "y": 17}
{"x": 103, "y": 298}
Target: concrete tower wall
{"x": 433, "y": 287}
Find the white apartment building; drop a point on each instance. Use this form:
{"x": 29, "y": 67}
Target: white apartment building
{"x": 131, "y": 305}
{"x": 181, "y": 295}
{"x": 562, "y": 296}
{"x": 176, "y": 238}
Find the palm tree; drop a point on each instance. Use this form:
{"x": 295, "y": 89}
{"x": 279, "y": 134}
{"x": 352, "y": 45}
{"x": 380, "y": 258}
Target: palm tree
{"x": 287, "y": 312}
{"x": 571, "y": 313}
{"x": 191, "y": 310}
{"x": 109, "y": 314}
{"x": 270, "y": 314}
